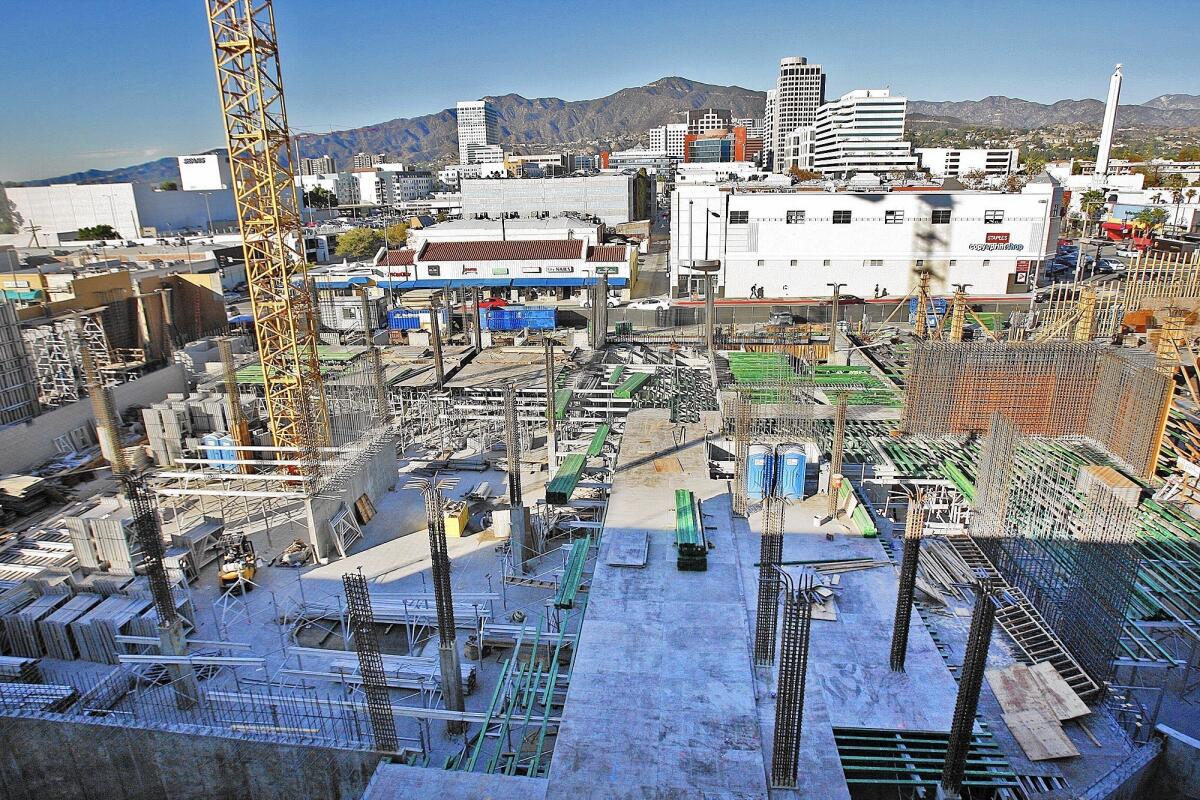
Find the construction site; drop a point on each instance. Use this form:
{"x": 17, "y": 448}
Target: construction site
{"x": 946, "y": 555}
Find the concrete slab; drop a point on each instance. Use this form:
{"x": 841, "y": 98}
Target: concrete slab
{"x": 392, "y": 781}
{"x": 662, "y": 690}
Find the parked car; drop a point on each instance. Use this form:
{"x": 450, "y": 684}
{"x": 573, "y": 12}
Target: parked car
{"x": 780, "y": 315}
{"x": 1110, "y": 265}
{"x": 650, "y": 304}
{"x": 493, "y": 302}
{"x": 585, "y": 301}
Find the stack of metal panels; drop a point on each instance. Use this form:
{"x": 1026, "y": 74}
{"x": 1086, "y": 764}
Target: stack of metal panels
{"x": 96, "y": 632}
{"x": 21, "y": 627}
{"x": 17, "y": 669}
{"x": 103, "y": 538}
{"x": 55, "y": 630}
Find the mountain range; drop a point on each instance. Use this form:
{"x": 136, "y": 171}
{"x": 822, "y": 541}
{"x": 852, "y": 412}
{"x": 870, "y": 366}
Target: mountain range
{"x": 619, "y": 119}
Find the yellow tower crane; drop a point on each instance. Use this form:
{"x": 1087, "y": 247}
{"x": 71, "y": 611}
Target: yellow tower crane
{"x": 250, "y": 85}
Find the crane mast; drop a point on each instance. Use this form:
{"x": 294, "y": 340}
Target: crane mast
{"x": 250, "y": 84}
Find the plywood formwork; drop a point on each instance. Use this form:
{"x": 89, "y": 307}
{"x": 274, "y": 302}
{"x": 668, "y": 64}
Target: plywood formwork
{"x": 18, "y": 385}
{"x": 1161, "y": 275}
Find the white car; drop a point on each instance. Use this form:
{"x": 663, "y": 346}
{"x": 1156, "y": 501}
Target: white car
{"x": 650, "y": 304}
{"x": 585, "y": 301}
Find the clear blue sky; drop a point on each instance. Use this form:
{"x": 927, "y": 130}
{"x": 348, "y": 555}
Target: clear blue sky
{"x": 98, "y": 83}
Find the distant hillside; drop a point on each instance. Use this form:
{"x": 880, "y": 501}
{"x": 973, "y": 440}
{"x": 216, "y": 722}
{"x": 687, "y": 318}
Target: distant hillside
{"x": 622, "y": 117}
{"x": 1168, "y": 111}
{"x": 628, "y": 113}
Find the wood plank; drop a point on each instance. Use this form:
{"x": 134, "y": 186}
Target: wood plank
{"x": 1059, "y": 695}
{"x": 1017, "y": 690}
{"x": 667, "y": 464}
{"x": 825, "y": 611}
{"x": 627, "y": 548}
{"x": 1041, "y": 737}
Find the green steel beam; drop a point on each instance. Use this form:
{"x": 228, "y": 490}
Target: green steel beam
{"x": 563, "y": 484}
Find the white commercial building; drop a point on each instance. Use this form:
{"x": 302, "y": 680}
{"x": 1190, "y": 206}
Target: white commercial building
{"x": 946, "y": 162}
{"x": 862, "y": 131}
{"x": 132, "y": 209}
{"x": 368, "y": 160}
{"x": 204, "y": 173}
{"x": 793, "y": 243}
{"x": 798, "y": 149}
{"x": 669, "y": 139}
{"x": 653, "y": 161}
{"x": 799, "y": 93}
{"x": 478, "y": 124}
{"x": 322, "y": 165}
{"x": 372, "y": 186}
{"x": 610, "y": 198}
{"x": 512, "y": 230}
{"x": 725, "y": 171}
{"x": 540, "y": 163}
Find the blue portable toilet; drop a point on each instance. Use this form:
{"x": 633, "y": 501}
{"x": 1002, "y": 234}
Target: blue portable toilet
{"x": 760, "y": 470}
{"x": 220, "y": 451}
{"x": 791, "y": 464}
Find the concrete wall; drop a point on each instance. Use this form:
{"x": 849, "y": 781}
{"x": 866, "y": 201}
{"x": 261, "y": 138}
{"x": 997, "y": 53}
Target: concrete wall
{"x": 1178, "y": 773}
{"x": 49, "y": 759}
{"x": 376, "y": 477}
{"x": 25, "y": 445}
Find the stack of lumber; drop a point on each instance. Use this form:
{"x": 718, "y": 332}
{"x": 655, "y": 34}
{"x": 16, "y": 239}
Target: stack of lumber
{"x": 1036, "y": 701}
{"x": 403, "y": 672}
{"x": 36, "y": 697}
{"x": 24, "y": 638}
{"x": 16, "y": 669}
{"x": 56, "y": 635}
{"x": 22, "y": 494}
{"x": 95, "y": 632}
{"x": 839, "y": 565}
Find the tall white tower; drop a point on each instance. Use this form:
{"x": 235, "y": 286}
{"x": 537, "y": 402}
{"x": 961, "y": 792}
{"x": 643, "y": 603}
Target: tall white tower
{"x": 1110, "y": 124}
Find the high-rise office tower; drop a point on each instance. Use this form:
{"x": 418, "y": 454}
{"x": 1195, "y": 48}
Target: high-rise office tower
{"x": 478, "y": 124}
{"x": 799, "y": 92}
{"x": 322, "y": 165}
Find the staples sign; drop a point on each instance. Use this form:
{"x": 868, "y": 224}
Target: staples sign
{"x": 997, "y": 238}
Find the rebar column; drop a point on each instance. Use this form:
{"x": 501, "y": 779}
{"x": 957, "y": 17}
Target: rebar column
{"x": 477, "y": 294}
{"x": 383, "y": 403}
{"x": 444, "y": 600}
{"x": 741, "y": 446}
{"x": 512, "y": 443}
{"x": 793, "y": 669}
{"x": 435, "y": 338}
{"x": 835, "y": 452}
{"x": 361, "y": 619}
{"x": 770, "y": 554}
{"x": 913, "y": 526}
{"x": 970, "y": 682}
{"x": 170, "y": 629}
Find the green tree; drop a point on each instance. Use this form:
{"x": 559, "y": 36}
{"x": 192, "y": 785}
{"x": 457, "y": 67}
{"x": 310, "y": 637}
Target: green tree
{"x": 1188, "y": 153}
{"x": 1152, "y": 176}
{"x": 320, "y": 197}
{"x": 442, "y": 216}
{"x": 1174, "y": 181}
{"x": 1035, "y": 163}
{"x": 1151, "y": 218}
{"x": 10, "y": 220}
{"x": 169, "y": 186}
{"x": 98, "y": 232}
{"x": 359, "y": 243}
{"x": 396, "y": 234}
{"x": 974, "y": 179}
{"x": 1191, "y": 195}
